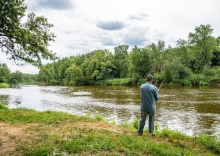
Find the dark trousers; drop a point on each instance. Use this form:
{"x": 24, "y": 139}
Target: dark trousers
{"x": 143, "y": 121}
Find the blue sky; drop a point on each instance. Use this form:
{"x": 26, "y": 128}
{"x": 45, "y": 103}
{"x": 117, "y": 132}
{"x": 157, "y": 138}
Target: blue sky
{"x": 83, "y": 26}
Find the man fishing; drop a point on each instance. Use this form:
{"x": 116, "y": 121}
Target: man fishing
{"x": 149, "y": 95}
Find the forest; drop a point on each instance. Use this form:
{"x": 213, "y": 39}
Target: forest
{"x": 193, "y": 62}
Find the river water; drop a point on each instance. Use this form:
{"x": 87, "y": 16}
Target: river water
{"x": 192, "y": 111}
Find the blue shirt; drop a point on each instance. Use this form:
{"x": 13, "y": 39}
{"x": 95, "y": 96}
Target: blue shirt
{"x": 149, "y": 95}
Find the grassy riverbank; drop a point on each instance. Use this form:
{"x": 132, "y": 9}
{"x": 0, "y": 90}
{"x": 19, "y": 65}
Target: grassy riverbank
{"x": 27, "y": 132}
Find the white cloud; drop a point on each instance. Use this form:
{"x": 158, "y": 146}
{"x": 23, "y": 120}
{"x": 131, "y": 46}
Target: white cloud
{"x": 13, "y": 67}
{"x": 136, "y": 36}
{"x": 82, "y": 26}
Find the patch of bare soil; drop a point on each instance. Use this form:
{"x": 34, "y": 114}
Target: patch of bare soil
{"x": 11, "y": 136}
{"x": 101, "y": 126}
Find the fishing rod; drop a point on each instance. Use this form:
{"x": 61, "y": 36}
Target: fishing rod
{"x": 161, "y": 84}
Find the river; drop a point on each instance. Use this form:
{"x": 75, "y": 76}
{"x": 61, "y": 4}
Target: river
{"x": 189, "y": 110}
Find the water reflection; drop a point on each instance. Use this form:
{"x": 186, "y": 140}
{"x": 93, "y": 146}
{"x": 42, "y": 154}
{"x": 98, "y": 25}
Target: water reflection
{"x": 189, "y": 110}
{"x": 4, "y": 99}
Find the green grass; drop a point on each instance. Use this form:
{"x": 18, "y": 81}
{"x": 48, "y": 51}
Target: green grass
{"x": 22, "y": 115}
{"x": 210, "y": 143}
{"x": 57, "y": 133}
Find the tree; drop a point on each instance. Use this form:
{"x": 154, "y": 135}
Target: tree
{"x": 15, "y": 78}
{"x": 157, "y": 55}
{"x": 216, "y": 58}
{"x": 25, "y": 42}
{"x": 184, "y": 52}
{"x": 216, "y": 54}
{"x": 175, "y": 71}
{"x": 74, "y": 75}
{"x": 30, "y": 78}
{"x": 203, "y": 44}
{"x": 44, "y": 74}
{"x": 141, "y": 63}
{"x": 98, "y": 66}
{"x": 121, "y": 61}
{"x": 4, "y": 73}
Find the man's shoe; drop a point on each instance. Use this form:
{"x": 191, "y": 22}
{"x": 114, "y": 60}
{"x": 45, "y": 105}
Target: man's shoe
{"x": 152, "y": 134}
{"x": 140, "y": 134}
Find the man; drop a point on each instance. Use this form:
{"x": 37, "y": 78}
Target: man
{"x": 149, "y": 95}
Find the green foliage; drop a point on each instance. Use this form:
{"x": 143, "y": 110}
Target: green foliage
{"x": 211, "y": 143}
{"x": 4, "y": 73}
{"x": 74, "y": 75}
{"x": 99, "y": 117}
{"x": 24, "y": 41}
{"x": 172, "y": 135}
{"x": 184, "y": 52}
{"x": 197, "y": 79}
{"x": 6, "y": 77}
{"x": 215, "y": 59}
{"x": 188, "y": 64}
{"x": 212, "y": 75}
{"x": 30, "y": 78}
{"x": 15, "y": 78}
{"x": 135, "y": 123}
{"x": 4, "y": 85}
{"x": 204, "y": 45}
{"x": 2, "y": 106}
{"x": 140, "y": 63}
{"x": 121, "y": 61}
{"x": 116, "y": 82}
{"x": 157, "y": 56}
{"x": 175, "y": 72}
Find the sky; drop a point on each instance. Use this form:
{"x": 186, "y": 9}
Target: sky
{"x": 82, "y": 26}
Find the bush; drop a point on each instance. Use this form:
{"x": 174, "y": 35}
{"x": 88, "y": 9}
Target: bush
{"x": 4, "y": 85}
{"x": 186, "y": 82}
{"x": 141, "y": 81}
{"x": 197, "y": 79}
{"x": 212, "y": 75}
{"x": 115, "y": 82}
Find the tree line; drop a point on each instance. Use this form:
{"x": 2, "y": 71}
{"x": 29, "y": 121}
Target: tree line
{"x": 192, "y": 62}
{"x": 15, "y": 78}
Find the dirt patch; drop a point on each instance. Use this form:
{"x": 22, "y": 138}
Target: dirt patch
{"x": 11, "y": 136}
{"x": 102, "y": 126}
